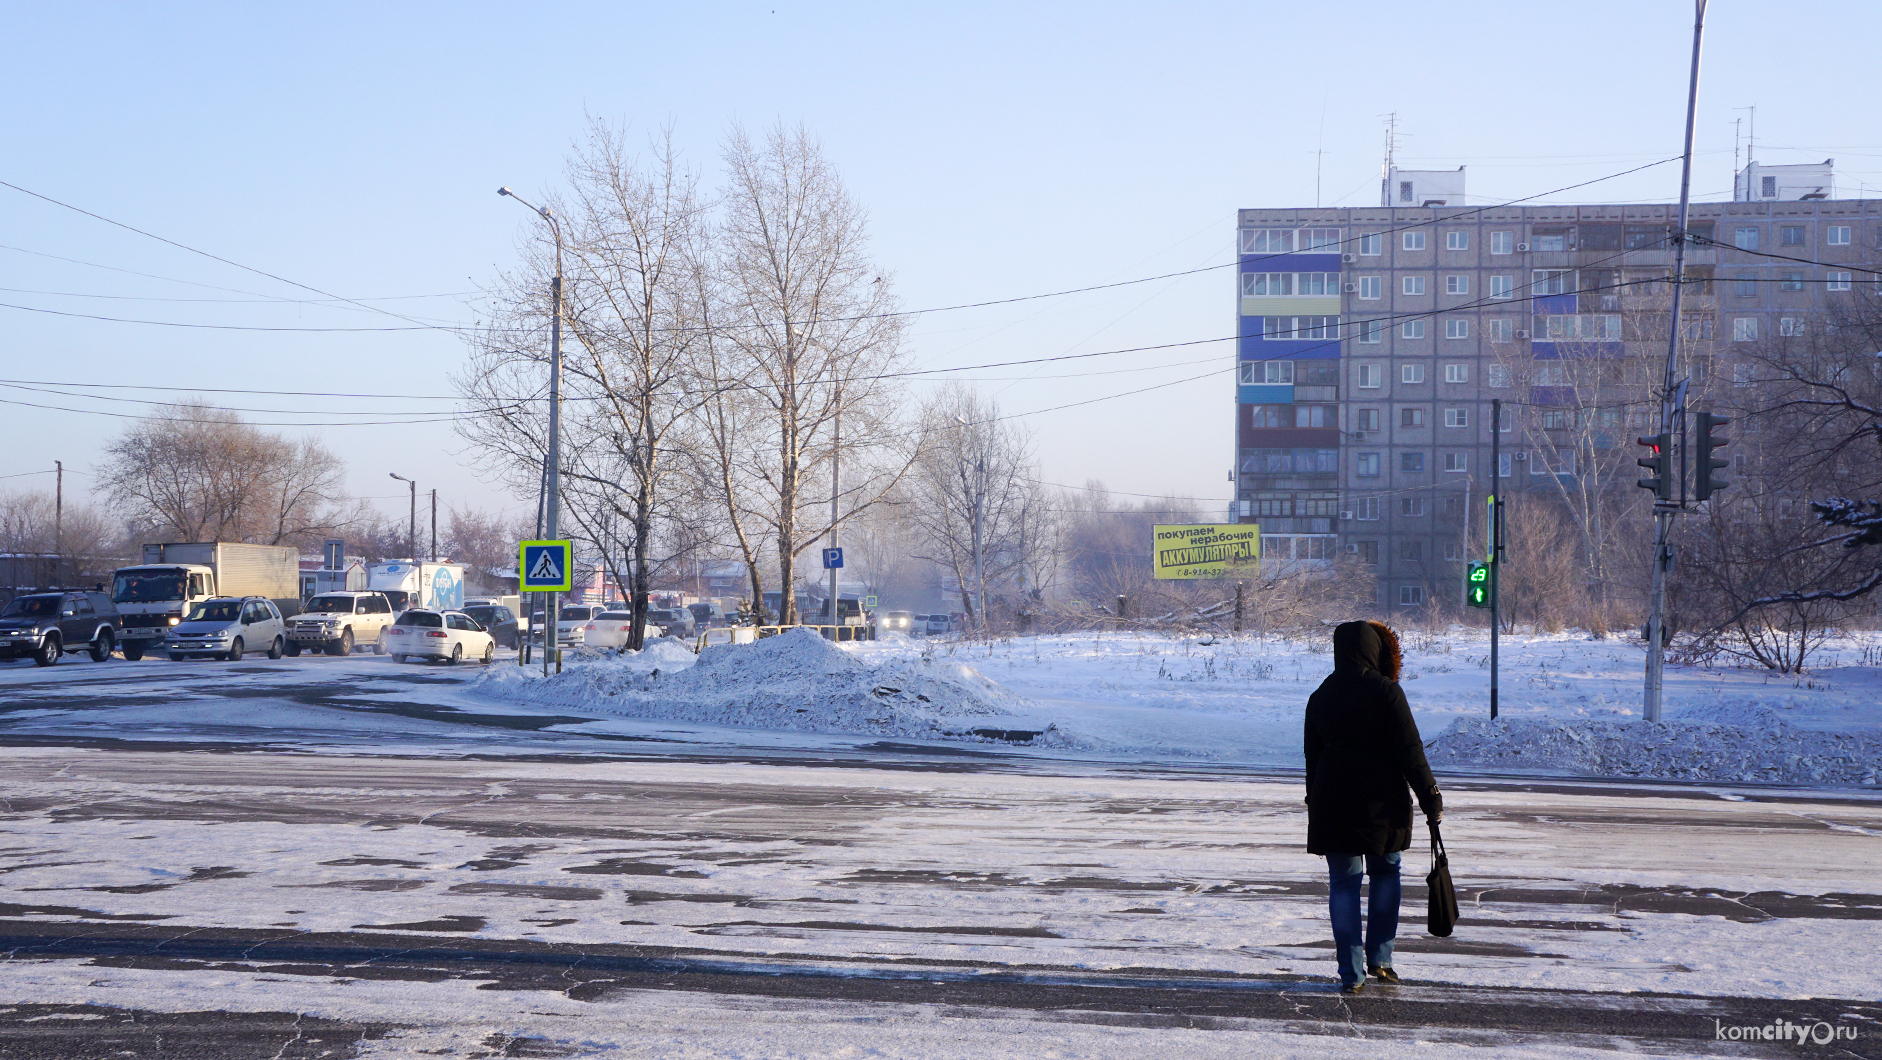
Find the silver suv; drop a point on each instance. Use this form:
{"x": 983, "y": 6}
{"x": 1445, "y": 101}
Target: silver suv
{"x": 337, "y": 623}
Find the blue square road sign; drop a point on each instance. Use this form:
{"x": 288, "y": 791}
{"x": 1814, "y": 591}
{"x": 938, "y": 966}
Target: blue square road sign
{"x": 832, "y": 558}
{"x": 546, "y": 566}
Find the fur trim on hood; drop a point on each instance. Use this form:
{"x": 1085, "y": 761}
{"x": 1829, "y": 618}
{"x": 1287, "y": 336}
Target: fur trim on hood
{"x": 1366, "y": 646}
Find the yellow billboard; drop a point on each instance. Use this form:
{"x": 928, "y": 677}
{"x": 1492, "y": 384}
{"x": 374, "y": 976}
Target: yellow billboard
{"x": 1205, "y": 550}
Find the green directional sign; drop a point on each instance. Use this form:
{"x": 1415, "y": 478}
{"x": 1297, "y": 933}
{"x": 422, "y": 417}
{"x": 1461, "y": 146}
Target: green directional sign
{"x": 1477, "y": 585}
{"x": 546, "y": 566}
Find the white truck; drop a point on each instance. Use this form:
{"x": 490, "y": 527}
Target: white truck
{"x": 407, "y": 584}
{"x": 175, "y": 577}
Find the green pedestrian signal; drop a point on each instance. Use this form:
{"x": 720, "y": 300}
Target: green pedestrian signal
{"x": 1477, "y": 585}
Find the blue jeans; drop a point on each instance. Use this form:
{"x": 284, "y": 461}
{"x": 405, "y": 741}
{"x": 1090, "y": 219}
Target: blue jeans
{"x": 1343, "y": 871}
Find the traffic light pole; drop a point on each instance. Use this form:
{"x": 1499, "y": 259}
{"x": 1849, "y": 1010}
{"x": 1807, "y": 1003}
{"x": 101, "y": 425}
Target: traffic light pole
{"x": 1494, "y": 536}
{"x": 1663, "y": 513}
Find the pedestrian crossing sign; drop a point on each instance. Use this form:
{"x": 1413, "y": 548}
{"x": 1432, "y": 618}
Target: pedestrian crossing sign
{"x": 546, "y": 567}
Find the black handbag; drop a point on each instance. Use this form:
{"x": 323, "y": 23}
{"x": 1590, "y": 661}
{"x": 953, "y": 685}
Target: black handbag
{"x": 1441, "y": 915}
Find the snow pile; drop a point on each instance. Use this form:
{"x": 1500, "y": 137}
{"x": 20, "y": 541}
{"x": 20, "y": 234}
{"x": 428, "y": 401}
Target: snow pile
{"x": 1750, "y": 745}
{"x": 796, "y": 681}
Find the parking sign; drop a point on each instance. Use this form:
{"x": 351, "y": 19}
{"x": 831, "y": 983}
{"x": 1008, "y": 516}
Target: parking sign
{"x": 832, "y": 558}
{"x": 546, "y": 566}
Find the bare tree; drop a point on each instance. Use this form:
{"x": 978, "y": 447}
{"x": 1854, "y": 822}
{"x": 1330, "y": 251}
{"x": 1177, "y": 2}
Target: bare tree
{"x": 84, "y": 541}
{"x": 198, "y": 473}
{"x": 974, "y": 501}
{"x": 815, "y": 327}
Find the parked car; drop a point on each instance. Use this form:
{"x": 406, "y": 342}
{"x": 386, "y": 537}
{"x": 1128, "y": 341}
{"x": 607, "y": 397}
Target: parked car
{"x": 896, "y": 621}
{"x": 571, "y": 623}
{"x": 339, "y": 622}
{"x": 228, "y": 627}
{"x": 47, "y": 625}
{"x": 707, "y": 614}
{"x": 938, "y": 625}
{"x": 453, "y": 636}
{"x": 609, "y": 629}
{"x": 671, "y": 621}
{"x": 498, "y": 620}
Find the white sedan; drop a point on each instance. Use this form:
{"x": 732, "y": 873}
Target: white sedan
{"x": 449, "y": 635}
{"x": 609, "y": 629}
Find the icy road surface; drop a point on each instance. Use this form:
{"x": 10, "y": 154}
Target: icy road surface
{"x": 266, "y": 904}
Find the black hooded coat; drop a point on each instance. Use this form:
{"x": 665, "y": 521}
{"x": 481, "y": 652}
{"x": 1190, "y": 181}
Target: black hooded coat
{"x": 1364, "y": 756}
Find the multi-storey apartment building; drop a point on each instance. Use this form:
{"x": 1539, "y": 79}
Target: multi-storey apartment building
{"x": 1371, "y": 343}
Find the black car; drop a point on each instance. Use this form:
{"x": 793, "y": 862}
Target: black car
{"x": 45, "y": 626}
{"x": 499, "y": 620}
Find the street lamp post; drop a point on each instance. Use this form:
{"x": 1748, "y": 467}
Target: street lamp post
{"x": 553, "y": 459}
{"x": 411, "y": 539}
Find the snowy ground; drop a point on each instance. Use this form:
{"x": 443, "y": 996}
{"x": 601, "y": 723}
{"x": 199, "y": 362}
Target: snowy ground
{"x": 1569, "y": 704}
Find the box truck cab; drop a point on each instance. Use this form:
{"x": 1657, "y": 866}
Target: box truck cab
{"x": 175, "y": 577}
{"x": 438, "y": 586}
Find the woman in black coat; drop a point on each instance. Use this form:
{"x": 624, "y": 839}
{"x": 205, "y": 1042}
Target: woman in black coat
{"x": 1364, "y": 759}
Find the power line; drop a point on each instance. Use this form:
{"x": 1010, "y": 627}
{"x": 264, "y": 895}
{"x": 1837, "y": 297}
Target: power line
{"x": 232, "y": 423}
{"x": 210, "y": 327}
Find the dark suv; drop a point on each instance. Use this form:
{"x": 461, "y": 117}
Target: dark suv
{"x": 47, "y": 625}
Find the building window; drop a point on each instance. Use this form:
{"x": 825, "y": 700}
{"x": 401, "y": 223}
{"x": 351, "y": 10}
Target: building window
{"x": 1745, "y": 329}
{"x": 1366, "y": 509}
{"x": 1790, "y": 281}
{"x": 1453, "y": 550}
{"x": 1554, "y": 419}
{"x": 1277, "y": 371}
{"x": 1319, "y": 239}
{"x": 1836, "y": 235}
{"x": 1548, "y": 241}
{"x": 1368, "y": 552}
{"x": 1411, "y": 417}
{"x": 1413, "y": 240}
{"x": 1498, "y": 330}
{"x": 1369, "y": 287}
{"x": 1411, "y": 595}
{"x": 1366, "y": 465}
{"x": 1457, "y": 329}
{"x": 1267, "y": 241}
{"x": 1457, "y": 417}
{"x": 1836, "y": 281}
{"x": 1502, "y": 286}
{"x": 1413, "y": 463}
{"x": 1405, "y": 192}
{"x": 1411, "y": 373}
{"x": 1368, "y": 420}
{"x": 1457, "y": 241}
{"x": 1413, "y": 285}
{"x": 1250, "y": 373}
{"x": 1745, "y": 237}
{"x": 1745, "y": 285}
{"x": 1552, "y": 281}
{"x": 1313, "y": 328}
{"x": 1457, "y": 285}
{"x": 1767, "y": 187}
{"x": 1551, "y": 375}
{"x": 1457, "y": 373}
{"x": 1369, "y": 331}
{"x": 1411, "y": 506}
{"x": 1369, "y": 377}
{"x": 1502, "y": 242}
{"x": 1791, "y": 235}
{"x": 1267, "y": 284}
{"x": 1309, "y": 284}
{"x": 1496, "y": 376}
{"x": 1372, "y": 245}
{"x": 1503, "y": 465}
{"x": 1790, "y": 326}
{"x": 1457, "y": 462}
{"x": 1412, "y": 329}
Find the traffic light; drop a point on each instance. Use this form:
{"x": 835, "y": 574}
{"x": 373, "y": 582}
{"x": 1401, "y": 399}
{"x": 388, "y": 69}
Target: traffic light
{"x": 1477, "y": 585}
{"x": 1709, "y": 439}
{"x": 1660, "y": 464}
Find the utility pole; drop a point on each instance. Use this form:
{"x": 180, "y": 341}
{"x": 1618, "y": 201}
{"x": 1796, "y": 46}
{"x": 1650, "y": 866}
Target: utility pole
{"x": 980, "y": 569}
{"x": 1493, "y": 538}
{"x": 552, "y": 499}
{"x": 434, "y": 526}
{"x": 58, "y": 513}
{"x": 1670, "y": 392}
{"x": 836, "y": 491}
{"x": 411, "y": 529}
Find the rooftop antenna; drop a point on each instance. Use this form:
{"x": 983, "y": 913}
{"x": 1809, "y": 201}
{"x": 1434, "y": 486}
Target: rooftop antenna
{"x": 1320, "y": 148}
{"x": 1736, "y": 130}
{"x": 1385, "y": 171}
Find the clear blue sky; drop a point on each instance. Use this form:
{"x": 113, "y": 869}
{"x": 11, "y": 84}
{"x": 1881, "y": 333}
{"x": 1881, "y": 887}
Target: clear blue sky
{"x": 1001, "y": 150}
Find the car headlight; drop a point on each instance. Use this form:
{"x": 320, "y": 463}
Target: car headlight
{"x": 175, "y": 620}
